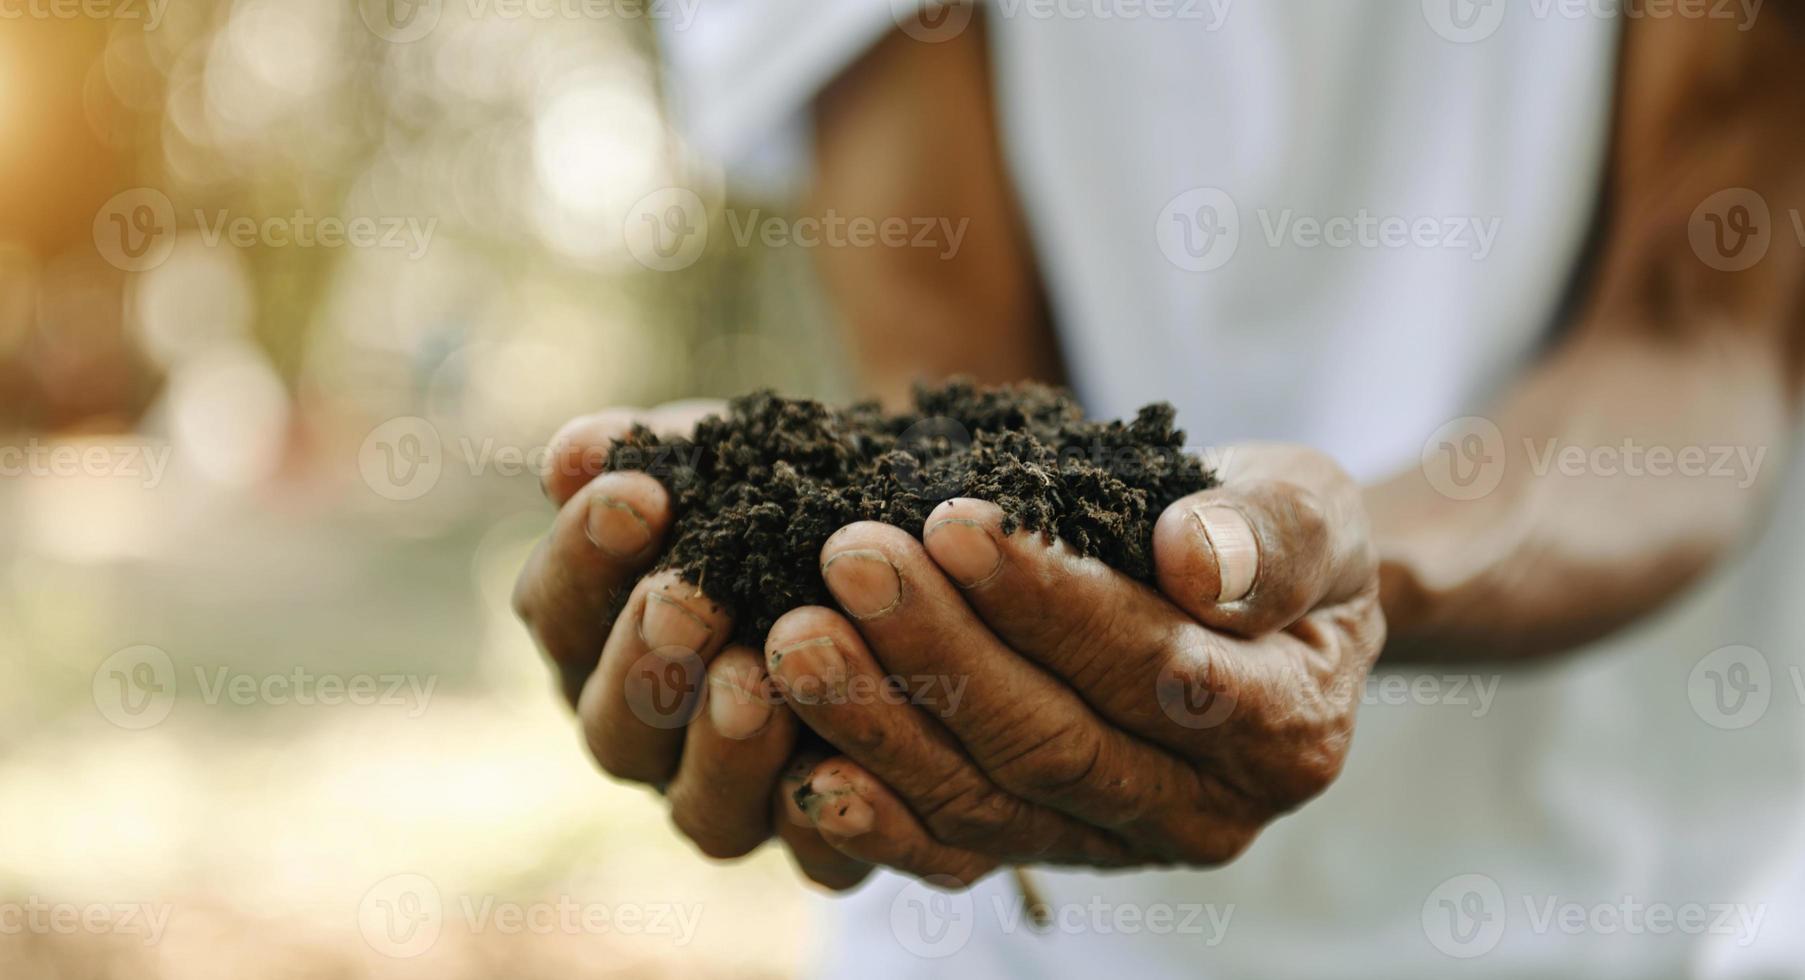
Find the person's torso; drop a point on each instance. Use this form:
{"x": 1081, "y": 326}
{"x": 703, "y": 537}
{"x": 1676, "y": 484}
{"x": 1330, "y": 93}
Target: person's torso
{"x": 1318, "y": 220}
{"x": 1345, "y": 224}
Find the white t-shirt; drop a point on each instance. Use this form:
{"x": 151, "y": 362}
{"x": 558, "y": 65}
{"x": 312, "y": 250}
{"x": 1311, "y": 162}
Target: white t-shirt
{"x": 1345, "y": 223}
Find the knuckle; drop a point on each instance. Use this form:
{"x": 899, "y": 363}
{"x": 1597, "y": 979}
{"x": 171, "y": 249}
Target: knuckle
{"x": 1313, "y": 768}
{"x": 1305, "y": 758}
{"x": 521, "y": 601}
{"x": 1197, "y": 688}
{"x": 1057, "y": 765}
{"x": 527, "y": 597}
{"x": 612, "y": 762}
{"x": 836, "y": 882}
{"x": 966, "y": 874}
{"x": 1366, "y": 629}
{"x": 912, "y": 855}
{"x": 1305, "y": 518}
{"x": 977, "y": 819}
{"x": 1080, "y": 644}
{"x": 1218, "y": 847}
{"x": 720, "y": 843}
{"x": 863, "y": 736}
{"x": 952, "y": 872}
{"x": 616, "y": 760}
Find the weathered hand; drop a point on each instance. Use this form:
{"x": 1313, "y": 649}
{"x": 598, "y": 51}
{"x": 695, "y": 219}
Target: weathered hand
{"x": 1100, "y": 722}
{"x": 638, "y": 681}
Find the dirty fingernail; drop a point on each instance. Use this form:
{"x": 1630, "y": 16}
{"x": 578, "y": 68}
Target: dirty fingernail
{"x": 738, "y": 704}
{"x": 965, "y": 550}
{"x": 809, "y": 670}
{"x": 668, "y": 625}
{"x": 1237, "y": 550}
{"x": 795, "y": 790}
{"x": 864, "y": 581}
{"x": 836, "y": 807}
{"x": 615, "y": 527}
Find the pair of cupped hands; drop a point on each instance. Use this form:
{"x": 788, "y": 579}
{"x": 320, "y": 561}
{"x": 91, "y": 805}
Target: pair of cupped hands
{"x": 990, "y": 699}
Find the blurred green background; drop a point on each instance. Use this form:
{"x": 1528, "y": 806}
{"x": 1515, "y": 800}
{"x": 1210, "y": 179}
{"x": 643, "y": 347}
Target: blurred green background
{"x": 263, "y": 499}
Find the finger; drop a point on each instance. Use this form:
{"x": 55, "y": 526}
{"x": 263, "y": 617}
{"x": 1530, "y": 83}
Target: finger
{"x": 1284, "y": 534}
{"x": 578, "y": 452}
{"x": 820, "y": 861}
{"x": 1029, "y": 732}
{"x": 1143, "y": 664}
{"x": 602, "y": 539}
{"x": 1107, "y": 636}
{"x": 858, "y": 815}
{"x": 734, "y": 754}
{"x": 887, "y": 724}
{"x": 649, "y": 684}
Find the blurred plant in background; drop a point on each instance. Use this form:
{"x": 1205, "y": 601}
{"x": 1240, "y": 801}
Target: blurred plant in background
{"x": 248, "y": 462}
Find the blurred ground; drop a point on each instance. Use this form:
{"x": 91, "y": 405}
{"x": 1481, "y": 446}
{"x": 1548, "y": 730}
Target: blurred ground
{"x": 260, "y": 821}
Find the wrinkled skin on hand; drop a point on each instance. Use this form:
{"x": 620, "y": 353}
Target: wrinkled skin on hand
{"x": 989, "y": 698}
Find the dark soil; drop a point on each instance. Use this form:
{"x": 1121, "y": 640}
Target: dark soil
{"x": 758, "y": 492}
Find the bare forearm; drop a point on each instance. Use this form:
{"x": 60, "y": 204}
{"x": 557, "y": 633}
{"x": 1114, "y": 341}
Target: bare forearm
{"x": 1643, "y": 450}
{"x": 1623, "y": 472}
{"x": 909, "y": 133}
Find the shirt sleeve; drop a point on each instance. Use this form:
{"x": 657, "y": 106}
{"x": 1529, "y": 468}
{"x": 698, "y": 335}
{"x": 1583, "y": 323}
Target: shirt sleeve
{"x": 740, "y": 75}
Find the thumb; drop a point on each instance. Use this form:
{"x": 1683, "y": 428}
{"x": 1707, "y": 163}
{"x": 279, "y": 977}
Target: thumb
{"x": 1286, "y": 532}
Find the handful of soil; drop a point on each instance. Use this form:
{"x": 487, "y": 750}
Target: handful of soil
{"x": 757, "y": 493}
